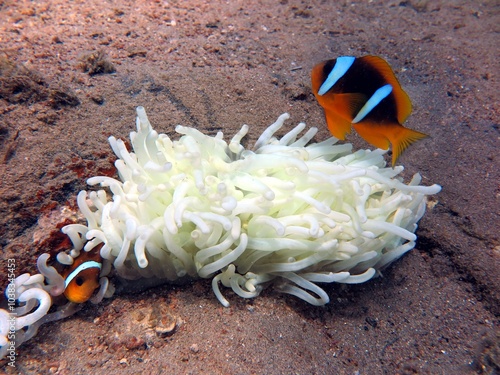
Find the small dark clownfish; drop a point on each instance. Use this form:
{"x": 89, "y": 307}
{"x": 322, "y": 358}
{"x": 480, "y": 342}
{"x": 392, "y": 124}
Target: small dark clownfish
{"x": 364, "y": 93}
{"x": 82, "y": 277}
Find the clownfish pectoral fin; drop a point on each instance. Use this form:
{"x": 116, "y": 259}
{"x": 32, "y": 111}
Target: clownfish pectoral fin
{"x": 380, "y": 135}
{"x": 337, "y": 125}
{"x": 347, "y": 105}
{"x": 340, "y": 110}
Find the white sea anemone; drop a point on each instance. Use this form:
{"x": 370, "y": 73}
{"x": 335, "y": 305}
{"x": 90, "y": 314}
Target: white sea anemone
{"x": 32, "y": 297}
{"x": 289, "y": 212}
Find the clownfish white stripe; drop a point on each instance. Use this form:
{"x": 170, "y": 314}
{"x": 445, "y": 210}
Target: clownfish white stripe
{"x": 341, "y": 67}
{"x": 375, "y": 99}
{"x": 80, "y": 268}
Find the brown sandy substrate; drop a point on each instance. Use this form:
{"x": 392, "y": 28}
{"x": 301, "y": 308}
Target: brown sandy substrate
{"x": 216, "y": 66}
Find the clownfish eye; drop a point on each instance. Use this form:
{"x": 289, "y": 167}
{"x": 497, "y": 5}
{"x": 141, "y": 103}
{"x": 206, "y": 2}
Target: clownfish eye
{"x": 79, "y": 281}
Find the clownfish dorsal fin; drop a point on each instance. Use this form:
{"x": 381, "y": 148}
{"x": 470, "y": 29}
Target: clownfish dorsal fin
{"x": 403, "y": 103}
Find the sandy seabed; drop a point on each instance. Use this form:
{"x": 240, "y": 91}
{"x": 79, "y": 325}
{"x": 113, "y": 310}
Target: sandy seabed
{"x": 72, "y": 74}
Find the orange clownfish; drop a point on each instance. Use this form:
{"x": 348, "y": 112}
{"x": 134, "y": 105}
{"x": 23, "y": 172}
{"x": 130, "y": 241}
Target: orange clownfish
{"x": 365, "y": 93}
{"x": 82, "y": 277}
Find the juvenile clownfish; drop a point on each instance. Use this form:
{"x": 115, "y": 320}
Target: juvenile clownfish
{"x": 82, "y": 277}
{"x": 365, "y": 93}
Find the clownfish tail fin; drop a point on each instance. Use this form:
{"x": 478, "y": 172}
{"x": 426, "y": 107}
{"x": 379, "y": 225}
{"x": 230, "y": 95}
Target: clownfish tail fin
{"x": 401, "y": 139}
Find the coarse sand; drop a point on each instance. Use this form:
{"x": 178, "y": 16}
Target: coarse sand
{"x": 72, "y": 74}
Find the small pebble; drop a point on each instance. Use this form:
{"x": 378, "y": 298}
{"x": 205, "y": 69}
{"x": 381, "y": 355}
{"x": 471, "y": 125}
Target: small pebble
{"x": 123, "y": 361}
{"x": 133, "y": 342}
